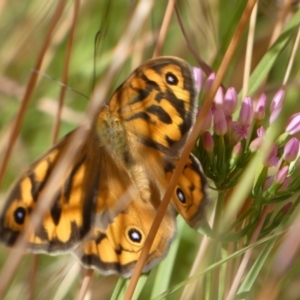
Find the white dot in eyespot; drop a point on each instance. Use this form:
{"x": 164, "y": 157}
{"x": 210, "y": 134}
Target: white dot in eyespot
{"x": 19, "y": 215}
{"x": 135, "y": 235}
{"x": 180, "y": 195}
{"x": 171, "y": 78}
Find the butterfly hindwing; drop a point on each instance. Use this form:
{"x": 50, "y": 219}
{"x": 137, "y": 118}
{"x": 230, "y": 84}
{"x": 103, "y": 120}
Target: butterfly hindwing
{"x": 190, "y": 195}
{"x": 116, "y": 249}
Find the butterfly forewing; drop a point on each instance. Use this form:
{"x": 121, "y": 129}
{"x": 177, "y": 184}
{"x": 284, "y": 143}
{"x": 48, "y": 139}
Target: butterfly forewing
{"x": 71, "y": 213}
{"x": 157, "y": 103}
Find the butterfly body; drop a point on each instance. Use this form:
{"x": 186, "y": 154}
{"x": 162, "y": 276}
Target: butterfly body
{"x": 103, "y": 206}
{"x": 112, "y": 134}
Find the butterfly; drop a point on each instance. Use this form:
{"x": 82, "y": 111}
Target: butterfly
{"x": 105, "y": 203}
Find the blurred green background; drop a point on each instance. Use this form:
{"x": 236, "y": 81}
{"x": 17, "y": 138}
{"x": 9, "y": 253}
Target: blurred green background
{"x": 23, "y": 25}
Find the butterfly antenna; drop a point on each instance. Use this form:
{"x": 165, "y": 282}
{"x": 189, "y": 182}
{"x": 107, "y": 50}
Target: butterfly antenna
{"x": 204, "y": 66}
{"x": 100, "y": 33}
{"x": 59, "y": 82}
{"x": 96, "y": 44}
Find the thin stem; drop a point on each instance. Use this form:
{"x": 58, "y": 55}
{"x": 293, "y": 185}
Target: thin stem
{"x": 65, "y": 72}
{"x": 33, "y": 273}
{"x": 218, "y": 214}
{"x": 30, "y": 88}
{"x": 292, "y": 58}
{"x": 87, "y": 278}
{"x": 247, "y": 255}
{"x": 213, "y": 275}
{"x": 164, "y": 28}
{"x": 14, "y": 259}
{"x": 249, "y": 51}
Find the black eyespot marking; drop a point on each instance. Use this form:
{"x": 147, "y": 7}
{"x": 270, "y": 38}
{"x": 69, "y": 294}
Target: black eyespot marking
{"x": 134, "y": 235}
{"x": 180, "y": 195}
{"x": 19, "y": 215}
{"x": 171, "y": 78}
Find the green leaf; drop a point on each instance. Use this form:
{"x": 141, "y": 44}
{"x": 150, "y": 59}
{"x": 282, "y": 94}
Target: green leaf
{"x": 269, "y": 59}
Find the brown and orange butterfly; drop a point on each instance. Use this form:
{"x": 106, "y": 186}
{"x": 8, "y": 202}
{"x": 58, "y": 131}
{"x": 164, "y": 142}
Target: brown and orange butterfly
{"x": 104, "y": 207}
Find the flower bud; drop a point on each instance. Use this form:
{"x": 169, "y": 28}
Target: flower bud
{"x": 230, "y": 101}
{"x": 255, "y": 144}
{"x": 208, "y": 141}
{"x": 246, "y": 112}
{"x": 219, "y": 98}
{"x": 291, "y": 150}
{"x": 281, "y": 175}
{"x": 276, "y": 105}
{"x": 272, "y": 159}
{"x": 210, "y": 79}
{"x": 236, "y": 153}
{"x": 260, "y": 132}
{"x": 220, "y": 124}
{"x": 260, "y": 108}
{"x": 277, "y": 100}
{"x": 285, "y": 184}
{"x": 237, "y": 149}
{"x": 198, "y": 76}
{"x": 268, "y": 183}
{"x": 293, "y": 125}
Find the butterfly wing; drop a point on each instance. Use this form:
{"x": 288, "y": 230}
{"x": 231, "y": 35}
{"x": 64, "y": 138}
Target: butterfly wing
{"x": 117, "y": 249}
{"x": 70, "y": 216}
{"x": 158, "y": 104}
{"x": 190, "y": 195}
{"x": 120, "y": 230}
